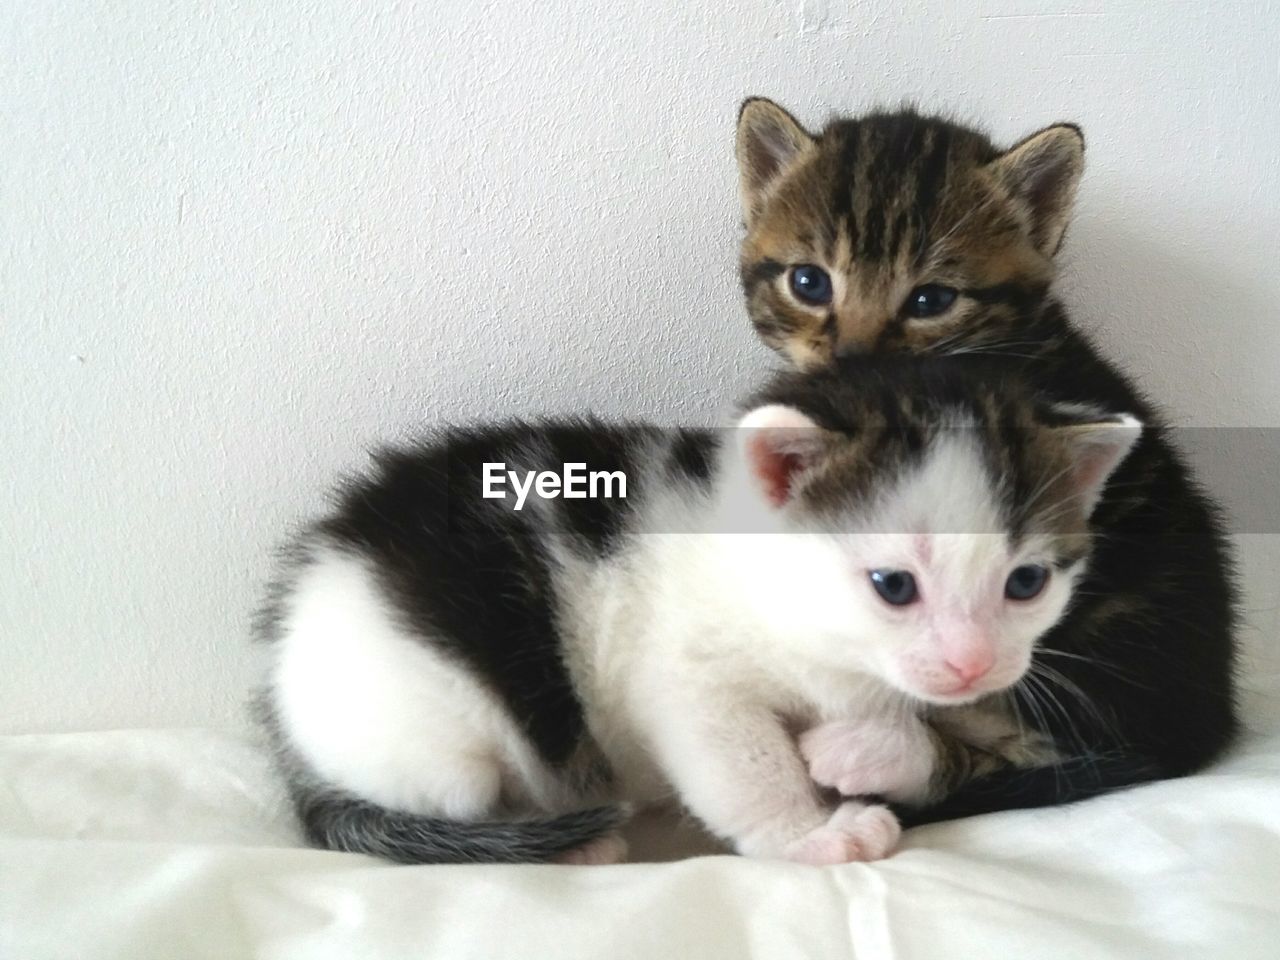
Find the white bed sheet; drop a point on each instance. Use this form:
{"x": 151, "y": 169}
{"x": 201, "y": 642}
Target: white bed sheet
{"x": 176, "y": 845}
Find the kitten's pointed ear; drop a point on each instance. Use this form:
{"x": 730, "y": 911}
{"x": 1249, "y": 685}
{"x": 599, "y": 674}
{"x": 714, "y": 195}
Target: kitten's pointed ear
{"x": 1043, "y": 172}
{"x": 1096, "y": 450}
{"x": 769, "y": 141}
{"x": 779, "y": 444}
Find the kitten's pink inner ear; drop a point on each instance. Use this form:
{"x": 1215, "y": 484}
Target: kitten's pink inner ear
{"x": 1043, "y": 171}
{"x": 780, "y": 444}
{"x": 768, "y": 140}
{"x": 1093, "y": 468}
{"x": 774, "y": 470}
{"x": 1100, "y": 449}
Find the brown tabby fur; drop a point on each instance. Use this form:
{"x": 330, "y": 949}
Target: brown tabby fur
{"x": 890, "y": 202}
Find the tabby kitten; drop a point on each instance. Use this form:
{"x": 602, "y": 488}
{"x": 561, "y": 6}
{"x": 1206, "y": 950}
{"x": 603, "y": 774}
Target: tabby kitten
{"x": 462, "y": 678}
{"x": 897, "y": 232}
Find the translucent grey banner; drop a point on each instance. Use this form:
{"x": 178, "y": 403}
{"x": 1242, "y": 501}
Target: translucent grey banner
{"x": 1239, "y": 468}
{"x": 607, "y": 480}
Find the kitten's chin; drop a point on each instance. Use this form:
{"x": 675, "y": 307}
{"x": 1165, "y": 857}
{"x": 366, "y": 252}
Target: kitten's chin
{"x": 954, "y": 699}
{"x": 808, "y": 357}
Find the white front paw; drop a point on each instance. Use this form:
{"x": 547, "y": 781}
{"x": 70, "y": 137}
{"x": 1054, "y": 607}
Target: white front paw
{"x": 870, "y": 758}
{"x": 855, "y": 832}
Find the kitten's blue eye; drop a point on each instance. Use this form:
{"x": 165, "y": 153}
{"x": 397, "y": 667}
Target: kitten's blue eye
{"x": 811, "y": 284}
{"x": 896, "y": 587}
{"x": 929, "y": 300}
{"x": 1026, "y": 582}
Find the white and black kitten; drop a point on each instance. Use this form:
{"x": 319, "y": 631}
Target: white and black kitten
{"x": 456, "y": 680}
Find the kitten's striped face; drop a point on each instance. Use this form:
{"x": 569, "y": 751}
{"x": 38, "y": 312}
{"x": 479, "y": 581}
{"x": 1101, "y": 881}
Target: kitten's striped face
{"x": 896, "y": 231}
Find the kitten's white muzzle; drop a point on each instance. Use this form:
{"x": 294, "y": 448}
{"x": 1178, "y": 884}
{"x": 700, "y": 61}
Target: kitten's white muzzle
{"x": 943, "y": 684}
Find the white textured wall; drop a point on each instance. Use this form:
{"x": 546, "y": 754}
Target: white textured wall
{"x": 238, "y": 242}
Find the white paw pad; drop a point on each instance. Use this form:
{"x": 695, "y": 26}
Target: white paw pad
{"x": 855, "y": 833}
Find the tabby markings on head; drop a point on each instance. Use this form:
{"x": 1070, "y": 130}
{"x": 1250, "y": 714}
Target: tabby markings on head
{"x": 897, "y": 231}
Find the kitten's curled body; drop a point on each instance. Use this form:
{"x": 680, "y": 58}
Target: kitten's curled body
{"x": 454, "y": 680}
{"x": 927, "y": 239}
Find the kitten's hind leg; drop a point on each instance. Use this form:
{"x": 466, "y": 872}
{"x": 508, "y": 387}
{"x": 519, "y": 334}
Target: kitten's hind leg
{"x": 378, "y": 711}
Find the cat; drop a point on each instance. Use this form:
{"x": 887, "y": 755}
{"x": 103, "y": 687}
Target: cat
{"x": 454, "y": 680}
{"x": 903, "y": 233}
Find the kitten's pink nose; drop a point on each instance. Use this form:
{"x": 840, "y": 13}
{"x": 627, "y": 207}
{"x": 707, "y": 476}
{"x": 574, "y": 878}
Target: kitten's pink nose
{"x": 971, "y": 664}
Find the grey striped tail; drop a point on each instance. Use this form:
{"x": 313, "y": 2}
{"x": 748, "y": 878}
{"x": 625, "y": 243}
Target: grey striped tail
{"x": 340, "y": 821}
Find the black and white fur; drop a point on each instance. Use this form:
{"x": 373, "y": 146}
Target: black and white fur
{"x": 456, "y": 681}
